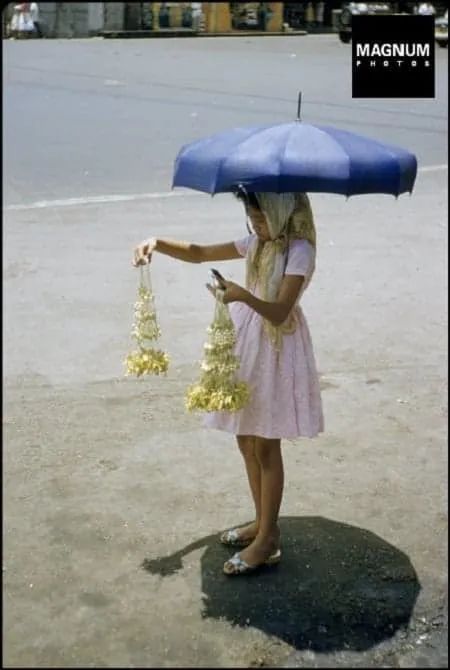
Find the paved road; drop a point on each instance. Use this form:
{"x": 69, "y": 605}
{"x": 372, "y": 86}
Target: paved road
{"x": 113, "y": 493}
{"x": 89, "y": 117}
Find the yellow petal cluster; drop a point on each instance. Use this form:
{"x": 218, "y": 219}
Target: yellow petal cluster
{"x": 146, "y": 360}
{"x": 232, "y": 399}
{"x": 218, "y": 389}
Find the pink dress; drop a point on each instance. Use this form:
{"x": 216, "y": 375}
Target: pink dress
{"x": 285, "y": 395}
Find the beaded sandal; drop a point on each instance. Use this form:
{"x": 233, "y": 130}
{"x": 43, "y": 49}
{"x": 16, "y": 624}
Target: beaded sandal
{"x": 236, "y": 566}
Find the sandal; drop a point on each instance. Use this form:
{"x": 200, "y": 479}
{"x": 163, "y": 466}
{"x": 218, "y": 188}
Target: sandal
{"x": 236, "y": 566}
{"x": 231, "y": 538}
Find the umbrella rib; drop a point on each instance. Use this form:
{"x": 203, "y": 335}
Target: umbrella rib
{"x": 342, "y": 150}
{"x": 384, "y": 147}
{"x": 225, "y": 158}
{"x": 281, "y": 159}
{"x": 397, "y": 167}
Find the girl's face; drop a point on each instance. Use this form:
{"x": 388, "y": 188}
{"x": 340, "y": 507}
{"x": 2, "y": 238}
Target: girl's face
{"x": 259, "y": 223}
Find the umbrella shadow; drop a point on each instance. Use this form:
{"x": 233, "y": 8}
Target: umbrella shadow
{"x": 338, "y": 587}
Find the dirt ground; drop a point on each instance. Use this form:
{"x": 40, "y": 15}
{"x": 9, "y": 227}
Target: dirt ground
{"x": 114, "y": 496}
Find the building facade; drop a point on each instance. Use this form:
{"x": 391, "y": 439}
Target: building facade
{"x": 84, "y": 19}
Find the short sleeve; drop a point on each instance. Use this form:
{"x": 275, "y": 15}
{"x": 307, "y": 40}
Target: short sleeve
{"x": 300, "y": 259}
{"x": 243, "y": 245}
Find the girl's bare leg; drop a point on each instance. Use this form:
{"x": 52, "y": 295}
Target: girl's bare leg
{"x": 268, "y": 454}
{"x": 246, "y": 445}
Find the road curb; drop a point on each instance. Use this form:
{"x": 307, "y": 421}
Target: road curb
{"x": 133, "y": 34}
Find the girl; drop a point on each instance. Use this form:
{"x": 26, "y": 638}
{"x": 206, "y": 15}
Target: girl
{"x": 275, "y": 352}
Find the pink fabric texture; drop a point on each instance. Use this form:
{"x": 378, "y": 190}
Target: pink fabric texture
{"x": 285, "y": 395}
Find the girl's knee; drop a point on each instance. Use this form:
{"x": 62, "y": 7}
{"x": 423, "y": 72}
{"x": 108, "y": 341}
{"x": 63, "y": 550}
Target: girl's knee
{"x": 246, "y": 444}
{"x": 267, "y": 451}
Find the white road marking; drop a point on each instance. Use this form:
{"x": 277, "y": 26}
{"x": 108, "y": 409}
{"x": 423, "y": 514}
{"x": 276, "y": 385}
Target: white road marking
{"x": 92, "y": 200}
{"x": 97, "y": 199}
{"x": 433, "y": 168}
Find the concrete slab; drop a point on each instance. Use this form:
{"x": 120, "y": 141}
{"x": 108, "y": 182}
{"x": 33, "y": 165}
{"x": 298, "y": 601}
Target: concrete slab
{"x": 115, "y": 495}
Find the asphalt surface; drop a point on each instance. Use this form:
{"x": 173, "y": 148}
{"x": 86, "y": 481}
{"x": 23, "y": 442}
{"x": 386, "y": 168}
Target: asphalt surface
{"x": 114, "y": 496}
{"x": 89, "y": 117}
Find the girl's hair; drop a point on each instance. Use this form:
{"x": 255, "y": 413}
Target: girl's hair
{"x": 248, "y": 199}
{"x": 300, "y": 224}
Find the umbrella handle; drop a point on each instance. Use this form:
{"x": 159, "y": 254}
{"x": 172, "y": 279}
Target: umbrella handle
{"x": 299, "y": 104}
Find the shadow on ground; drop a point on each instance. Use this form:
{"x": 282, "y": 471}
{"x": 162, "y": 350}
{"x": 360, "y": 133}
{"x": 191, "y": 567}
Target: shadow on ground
{"x": 337, "y": 587}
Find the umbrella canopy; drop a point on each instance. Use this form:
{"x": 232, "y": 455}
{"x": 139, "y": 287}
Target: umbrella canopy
{"x": 294, "y": 157}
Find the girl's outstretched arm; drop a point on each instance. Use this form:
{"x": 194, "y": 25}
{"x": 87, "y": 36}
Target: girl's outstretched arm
{"x": 184, "y": 251}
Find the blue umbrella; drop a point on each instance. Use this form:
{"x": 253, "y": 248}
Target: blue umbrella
{"x": 294, "y": 157}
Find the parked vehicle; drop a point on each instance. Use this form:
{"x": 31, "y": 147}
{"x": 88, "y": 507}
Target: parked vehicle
{"x": 244, "y": 17}
{"x": 350, "y": 9}
{"x": 441, "y": 30}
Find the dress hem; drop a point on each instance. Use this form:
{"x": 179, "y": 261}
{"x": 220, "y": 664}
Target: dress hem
{"x": 268, "y": 437}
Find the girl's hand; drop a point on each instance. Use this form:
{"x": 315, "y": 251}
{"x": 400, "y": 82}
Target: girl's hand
{"x": 143, "y": 252}
{"x": 232, "y": 292}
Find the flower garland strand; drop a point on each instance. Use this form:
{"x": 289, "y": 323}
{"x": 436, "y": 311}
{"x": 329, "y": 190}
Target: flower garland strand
{"x": 217, "y": 389}
{"x": 146, "y": 360}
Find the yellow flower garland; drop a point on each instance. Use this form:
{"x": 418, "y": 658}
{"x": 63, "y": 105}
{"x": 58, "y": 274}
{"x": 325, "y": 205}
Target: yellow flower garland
{"x": 218, "y": 389}
{"x": 146, "y": 360}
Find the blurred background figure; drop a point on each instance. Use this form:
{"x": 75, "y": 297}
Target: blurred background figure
{"x": 262, "y": 16}
{"x": 34, "y": 14}
{"x": 309, "y": 16}
{"x": 319, "y": 8}
{"x": 196, "y": 8}
{"x": 21, "y": 23}
{"x": 164, "y": 15}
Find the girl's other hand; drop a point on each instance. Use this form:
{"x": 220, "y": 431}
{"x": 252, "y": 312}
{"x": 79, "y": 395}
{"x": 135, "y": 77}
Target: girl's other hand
{"x": 143, "y": 252}
{"x": 232, "y": 292}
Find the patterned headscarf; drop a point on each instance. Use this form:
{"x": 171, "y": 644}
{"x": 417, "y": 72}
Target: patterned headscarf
{"x": 289, "y": 216}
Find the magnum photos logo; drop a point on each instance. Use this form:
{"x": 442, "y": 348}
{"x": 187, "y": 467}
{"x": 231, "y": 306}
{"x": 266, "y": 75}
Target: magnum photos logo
{"x": 393, "y": 56}
{"x": 387, "y": 50}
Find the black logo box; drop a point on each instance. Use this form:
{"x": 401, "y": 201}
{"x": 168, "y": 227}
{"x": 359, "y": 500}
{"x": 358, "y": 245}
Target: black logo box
{"x": 395, "y": 80}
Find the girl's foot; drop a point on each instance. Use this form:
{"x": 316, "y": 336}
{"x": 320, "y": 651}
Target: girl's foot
{"x": 262, "y": 551}
{"x": 240, "y": 537}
